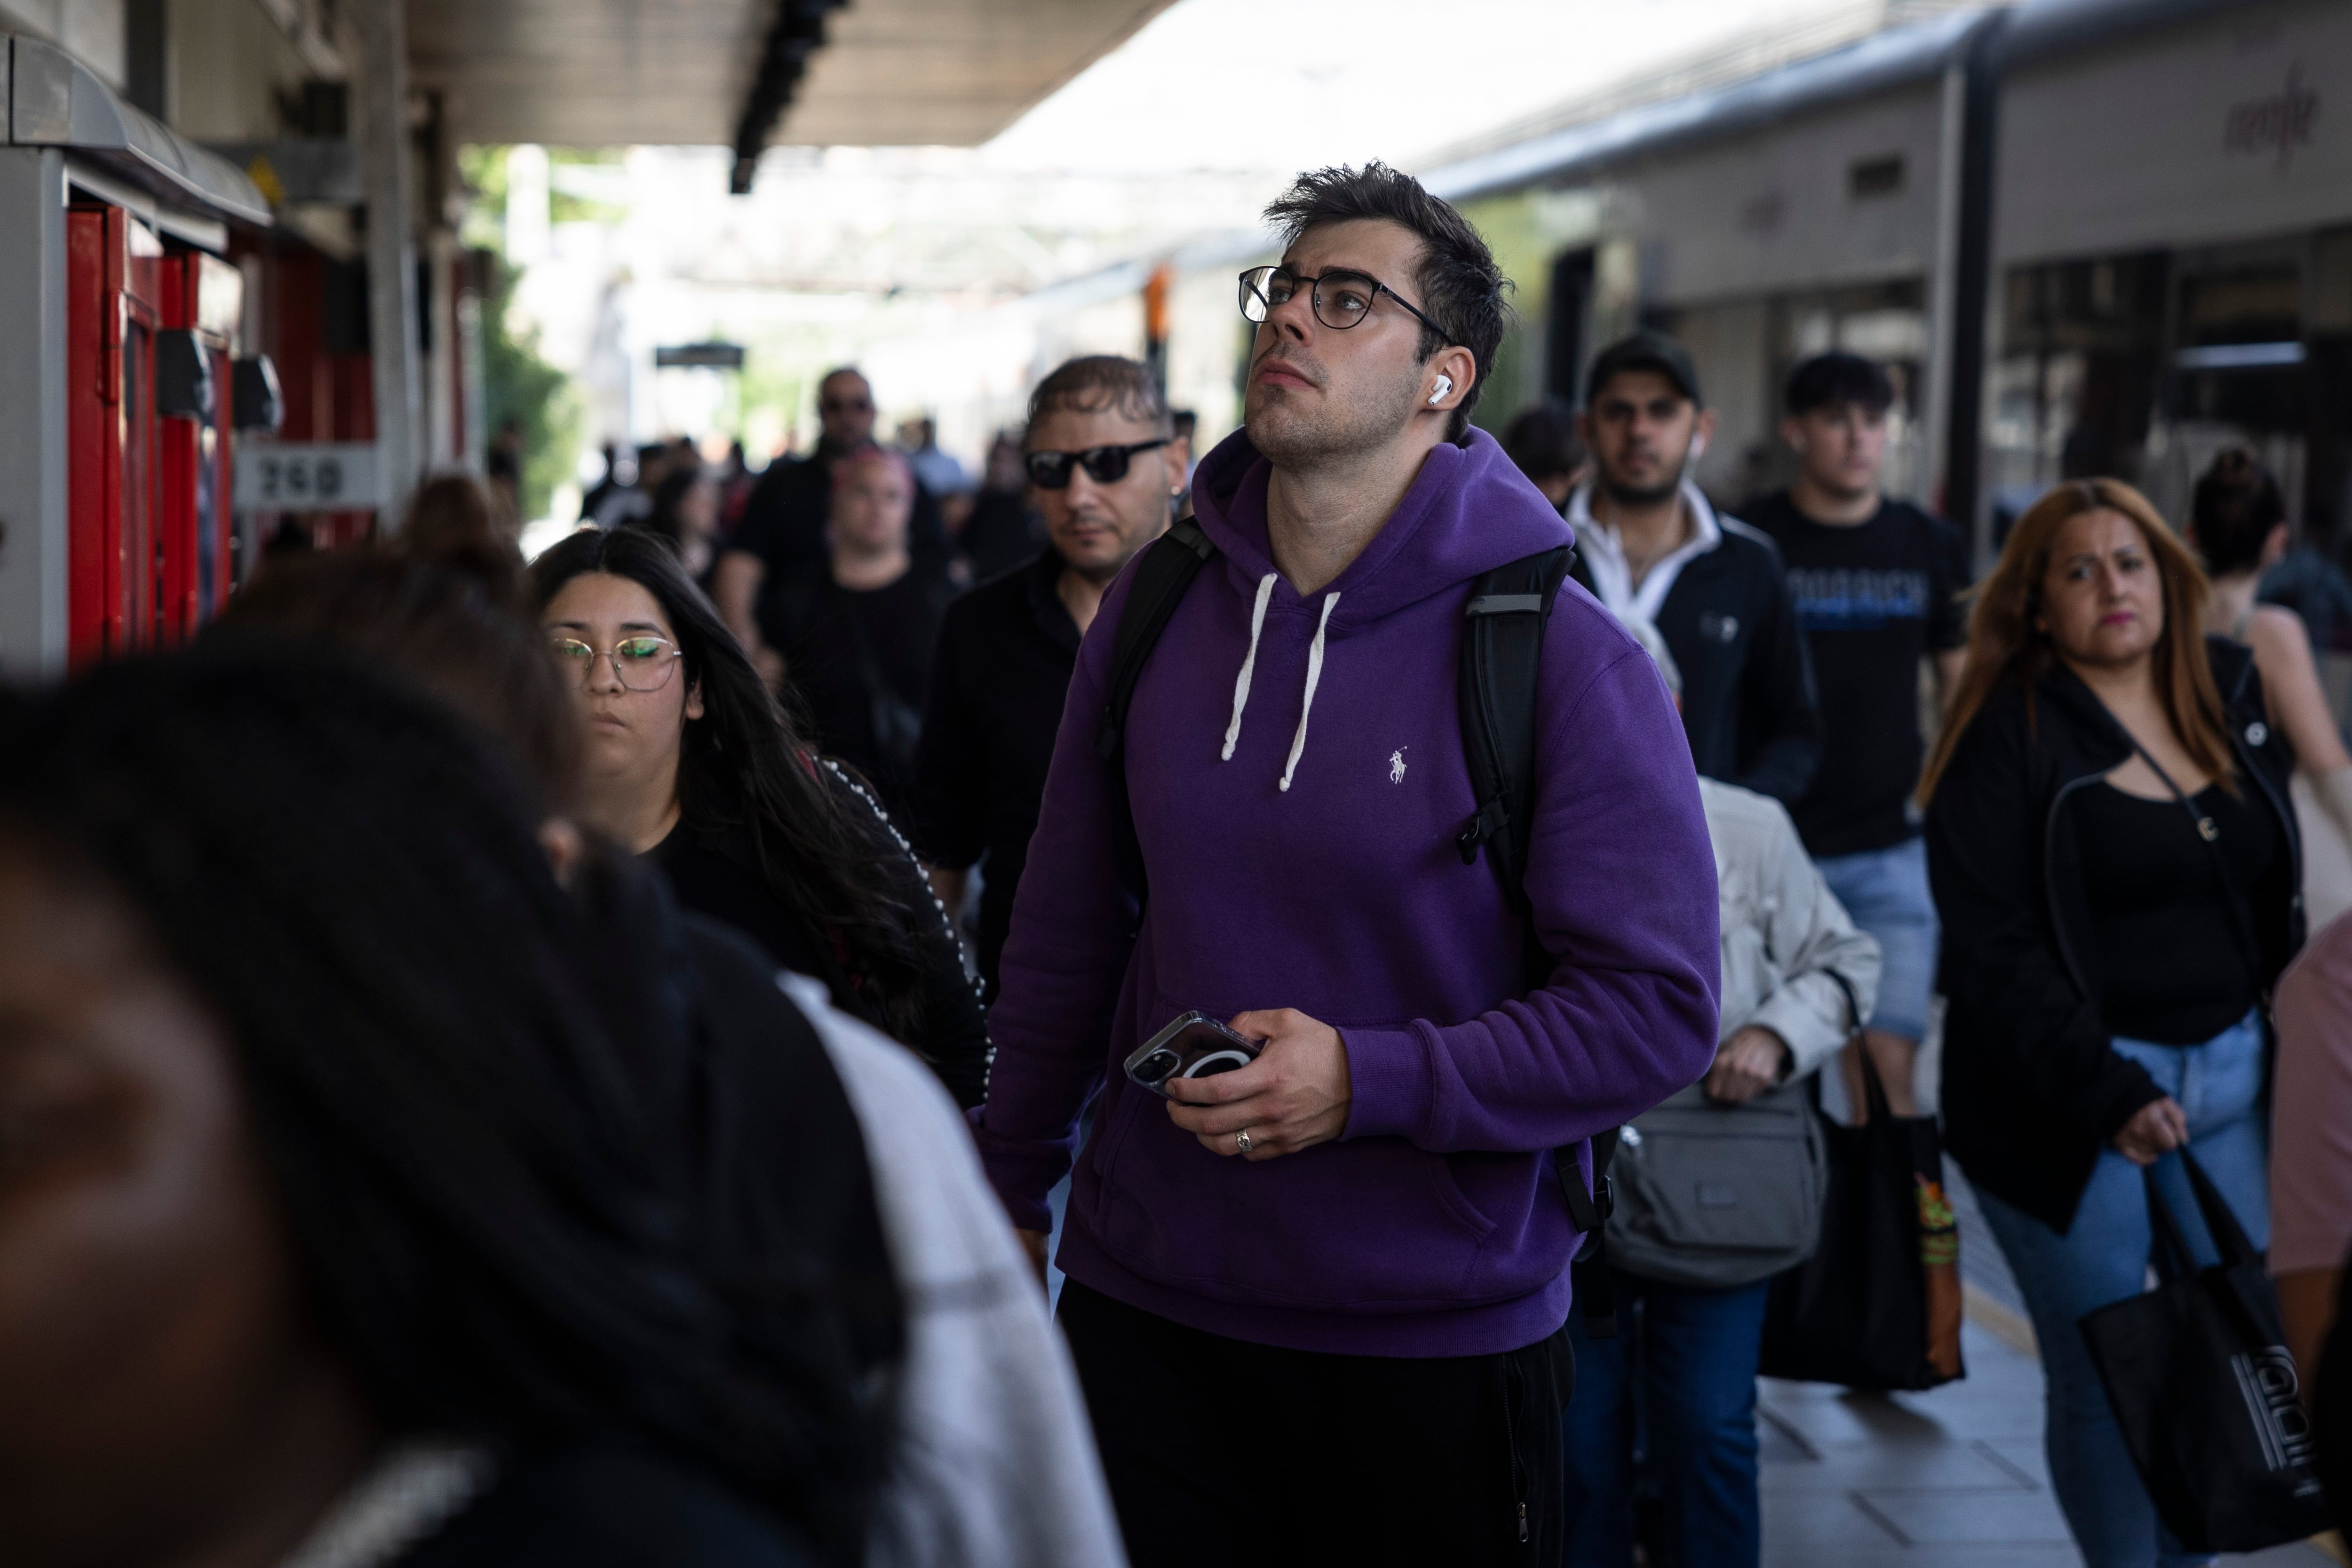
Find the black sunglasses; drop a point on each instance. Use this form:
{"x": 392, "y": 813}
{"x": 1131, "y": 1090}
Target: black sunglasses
{"x": 1104, "y": 464}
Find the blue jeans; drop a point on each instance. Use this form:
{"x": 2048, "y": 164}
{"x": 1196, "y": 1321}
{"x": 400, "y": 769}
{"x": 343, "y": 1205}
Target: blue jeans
{"x": 1885, "y": 893}
{"x": 1688, "y": 1357}
{"x": 2104, "y": 1256}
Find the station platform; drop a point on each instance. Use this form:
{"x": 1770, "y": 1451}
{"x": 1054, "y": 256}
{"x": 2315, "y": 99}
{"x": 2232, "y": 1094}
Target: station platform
{"x": 1951, "y": 1479}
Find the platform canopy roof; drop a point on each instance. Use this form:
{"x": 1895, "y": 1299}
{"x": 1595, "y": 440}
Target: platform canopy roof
{"x": 590, "y": 73}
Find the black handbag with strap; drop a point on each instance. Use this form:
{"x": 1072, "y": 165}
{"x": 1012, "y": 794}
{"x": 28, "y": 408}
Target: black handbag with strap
{"x": 2204, "y": 1391}
{"x": 1878, "y": 1304}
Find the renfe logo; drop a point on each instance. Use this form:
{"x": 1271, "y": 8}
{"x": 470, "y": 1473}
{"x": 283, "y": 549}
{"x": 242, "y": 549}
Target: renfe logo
{"x": 2266, "y": 1378}
{"x": 2279, "y": 123}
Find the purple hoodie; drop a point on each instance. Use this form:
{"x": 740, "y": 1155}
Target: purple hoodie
{"x": 1313, "y": 866}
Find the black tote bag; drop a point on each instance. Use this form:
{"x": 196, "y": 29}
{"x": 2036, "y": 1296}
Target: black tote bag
{"x": 1878, "y": 1304}
{"x": 2205, "y": 1392}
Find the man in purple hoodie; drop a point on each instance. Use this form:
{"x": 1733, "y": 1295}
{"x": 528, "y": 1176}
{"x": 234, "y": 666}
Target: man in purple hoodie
{"x": 1317, "y": 1304}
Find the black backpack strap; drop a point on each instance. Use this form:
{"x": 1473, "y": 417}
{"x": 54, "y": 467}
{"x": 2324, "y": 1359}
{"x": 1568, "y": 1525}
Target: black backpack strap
{"x": 1590, "y": 1212}
{"x": 1162, "y": 575}
{"x": 1501, "y": 675}
{"x": 1501, "y": 671}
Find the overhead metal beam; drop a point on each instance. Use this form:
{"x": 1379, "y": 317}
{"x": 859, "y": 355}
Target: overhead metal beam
{"x": 797, "y": 32}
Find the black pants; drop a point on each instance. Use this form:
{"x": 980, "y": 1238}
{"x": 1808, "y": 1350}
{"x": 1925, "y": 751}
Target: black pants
{"x": 1223, "y": 1451}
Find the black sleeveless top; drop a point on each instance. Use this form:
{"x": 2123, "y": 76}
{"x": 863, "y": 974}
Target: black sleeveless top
{"x": 2169, "y": 949}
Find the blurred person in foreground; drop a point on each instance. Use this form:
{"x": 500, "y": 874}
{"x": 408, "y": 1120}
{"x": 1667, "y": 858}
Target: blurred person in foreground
{"x": 1650, "y": 547}
{"x": 338, "y": 1223}
{"x": 852, "y": 644}
{"x": 1877, "y": 585}
{"x": 2237, "y": 524}
{"x": 783, "y": 537}
{"x": 1346, "y": 1262}
{"x": 2114, "y": 860}
{"x": 1542, "y": 441}
{"x": 1105, "y": 465}
{"x": 803, "y": 1128}
{"x": 691, "y": 762}
{"x": 1685, "y": 1355}
{"x": 2311, "y": 1148}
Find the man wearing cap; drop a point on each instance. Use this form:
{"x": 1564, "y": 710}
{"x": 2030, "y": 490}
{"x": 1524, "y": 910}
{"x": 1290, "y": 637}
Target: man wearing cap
{"x": 1651, "y": 548}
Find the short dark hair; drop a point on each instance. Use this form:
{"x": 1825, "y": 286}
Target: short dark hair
{"x": 1093, "y": 383}
{"x": 1542, "y": 441}
{"x": 1835, "y": 379}
{"x": 1460, "y": 286}
{"x": 2237, "y": 503}
{"x": 1648, "y": 350}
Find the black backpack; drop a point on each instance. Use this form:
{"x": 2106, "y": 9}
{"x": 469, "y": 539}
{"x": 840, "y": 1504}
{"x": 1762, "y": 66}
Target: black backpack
{"x": 1502, "y": 662}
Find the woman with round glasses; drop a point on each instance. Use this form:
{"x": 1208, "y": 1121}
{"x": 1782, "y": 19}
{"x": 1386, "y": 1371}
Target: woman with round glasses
{"x": 689, "y": 760}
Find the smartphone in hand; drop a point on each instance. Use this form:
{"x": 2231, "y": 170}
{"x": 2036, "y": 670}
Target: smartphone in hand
{"x": 1194, "y": 1046}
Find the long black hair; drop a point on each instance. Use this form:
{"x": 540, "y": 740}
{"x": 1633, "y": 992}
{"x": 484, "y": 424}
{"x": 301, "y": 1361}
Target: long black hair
{"x": 497, "y": 1234}
{"x": 745, "y": 769}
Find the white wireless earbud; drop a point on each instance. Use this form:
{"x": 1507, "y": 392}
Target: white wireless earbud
{"x": 1444, "y": 385}
{"x": 1698, "y": 447}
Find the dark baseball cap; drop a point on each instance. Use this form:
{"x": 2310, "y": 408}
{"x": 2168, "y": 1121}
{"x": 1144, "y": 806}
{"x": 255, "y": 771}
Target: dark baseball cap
{"x": 1644, "y": 351}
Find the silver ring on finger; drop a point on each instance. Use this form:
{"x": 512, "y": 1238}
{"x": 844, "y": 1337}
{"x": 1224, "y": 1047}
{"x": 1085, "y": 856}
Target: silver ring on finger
{"x": 1242, "y": 1141}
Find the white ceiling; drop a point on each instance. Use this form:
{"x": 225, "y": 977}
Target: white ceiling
{"x": 590, "y": 73}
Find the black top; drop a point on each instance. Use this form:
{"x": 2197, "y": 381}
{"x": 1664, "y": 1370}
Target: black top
{"x": 599, "y": 1507}
{"x": 715, "y": 875}
{"x": 1002, "y": 534}
{"x": 784, "y": 518}
{"x": 998, "y": 679}
{"x": 1874, "y": 599}
{"x": 2032, "y": 1090}
{"x": 857, "y": 660}
{"x": 2169, "y": 956}
{"x": 1748, "y": 707}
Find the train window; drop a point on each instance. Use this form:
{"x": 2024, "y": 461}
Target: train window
{"x": 1869, "y": 178}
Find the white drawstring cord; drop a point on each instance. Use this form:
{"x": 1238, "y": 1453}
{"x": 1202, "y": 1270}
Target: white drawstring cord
{"x": 1307, "y": 706}
{"x": 1249, "y": 663}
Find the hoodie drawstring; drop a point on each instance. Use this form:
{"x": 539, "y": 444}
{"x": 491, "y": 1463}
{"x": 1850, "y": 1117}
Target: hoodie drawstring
{"x": 1249, "y": 668}
{"x": 1307, "y": 706}
{"x": 1249, "y": 664}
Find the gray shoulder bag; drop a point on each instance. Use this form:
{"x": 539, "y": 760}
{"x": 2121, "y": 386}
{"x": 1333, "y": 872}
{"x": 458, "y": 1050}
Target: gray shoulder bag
{"x": 1717, "y": 1197}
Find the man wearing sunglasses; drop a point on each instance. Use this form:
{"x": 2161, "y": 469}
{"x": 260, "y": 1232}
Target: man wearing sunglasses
{"x": 781, "y": 541}
{"x": 1317, "y": 1301}
{"x": 1103, "y": 464}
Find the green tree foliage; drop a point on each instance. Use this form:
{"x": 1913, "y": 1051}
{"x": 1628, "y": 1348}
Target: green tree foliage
{"x": 518, "y": 385}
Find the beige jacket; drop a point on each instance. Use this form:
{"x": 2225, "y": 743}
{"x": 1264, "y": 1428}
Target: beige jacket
{"x": 1782, "y": 931}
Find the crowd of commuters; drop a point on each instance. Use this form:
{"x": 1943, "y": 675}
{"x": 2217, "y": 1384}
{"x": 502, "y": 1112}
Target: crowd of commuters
{"x": 494, "y": 1074}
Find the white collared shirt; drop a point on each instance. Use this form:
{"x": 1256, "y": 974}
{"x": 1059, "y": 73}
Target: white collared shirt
{"x": 1604, "y": 555}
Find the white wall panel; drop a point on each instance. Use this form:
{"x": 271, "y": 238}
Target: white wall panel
{"x": 1773, "y": 210}
{"x": 2237, "y": 126}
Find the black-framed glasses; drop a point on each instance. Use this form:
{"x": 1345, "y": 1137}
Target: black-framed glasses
{"x": 1104, "y": 464}
{"x": 639, "y": 663}
{"x": 1340, "y": 298}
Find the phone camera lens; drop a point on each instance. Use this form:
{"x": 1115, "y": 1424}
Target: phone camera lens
{"x": 1156, "y": 1066}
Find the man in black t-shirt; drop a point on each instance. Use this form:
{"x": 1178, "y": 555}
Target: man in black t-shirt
{"x": 1877, "y": 585}
{"x": 780, "y": 539}
{"x": 856, "y": 639}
